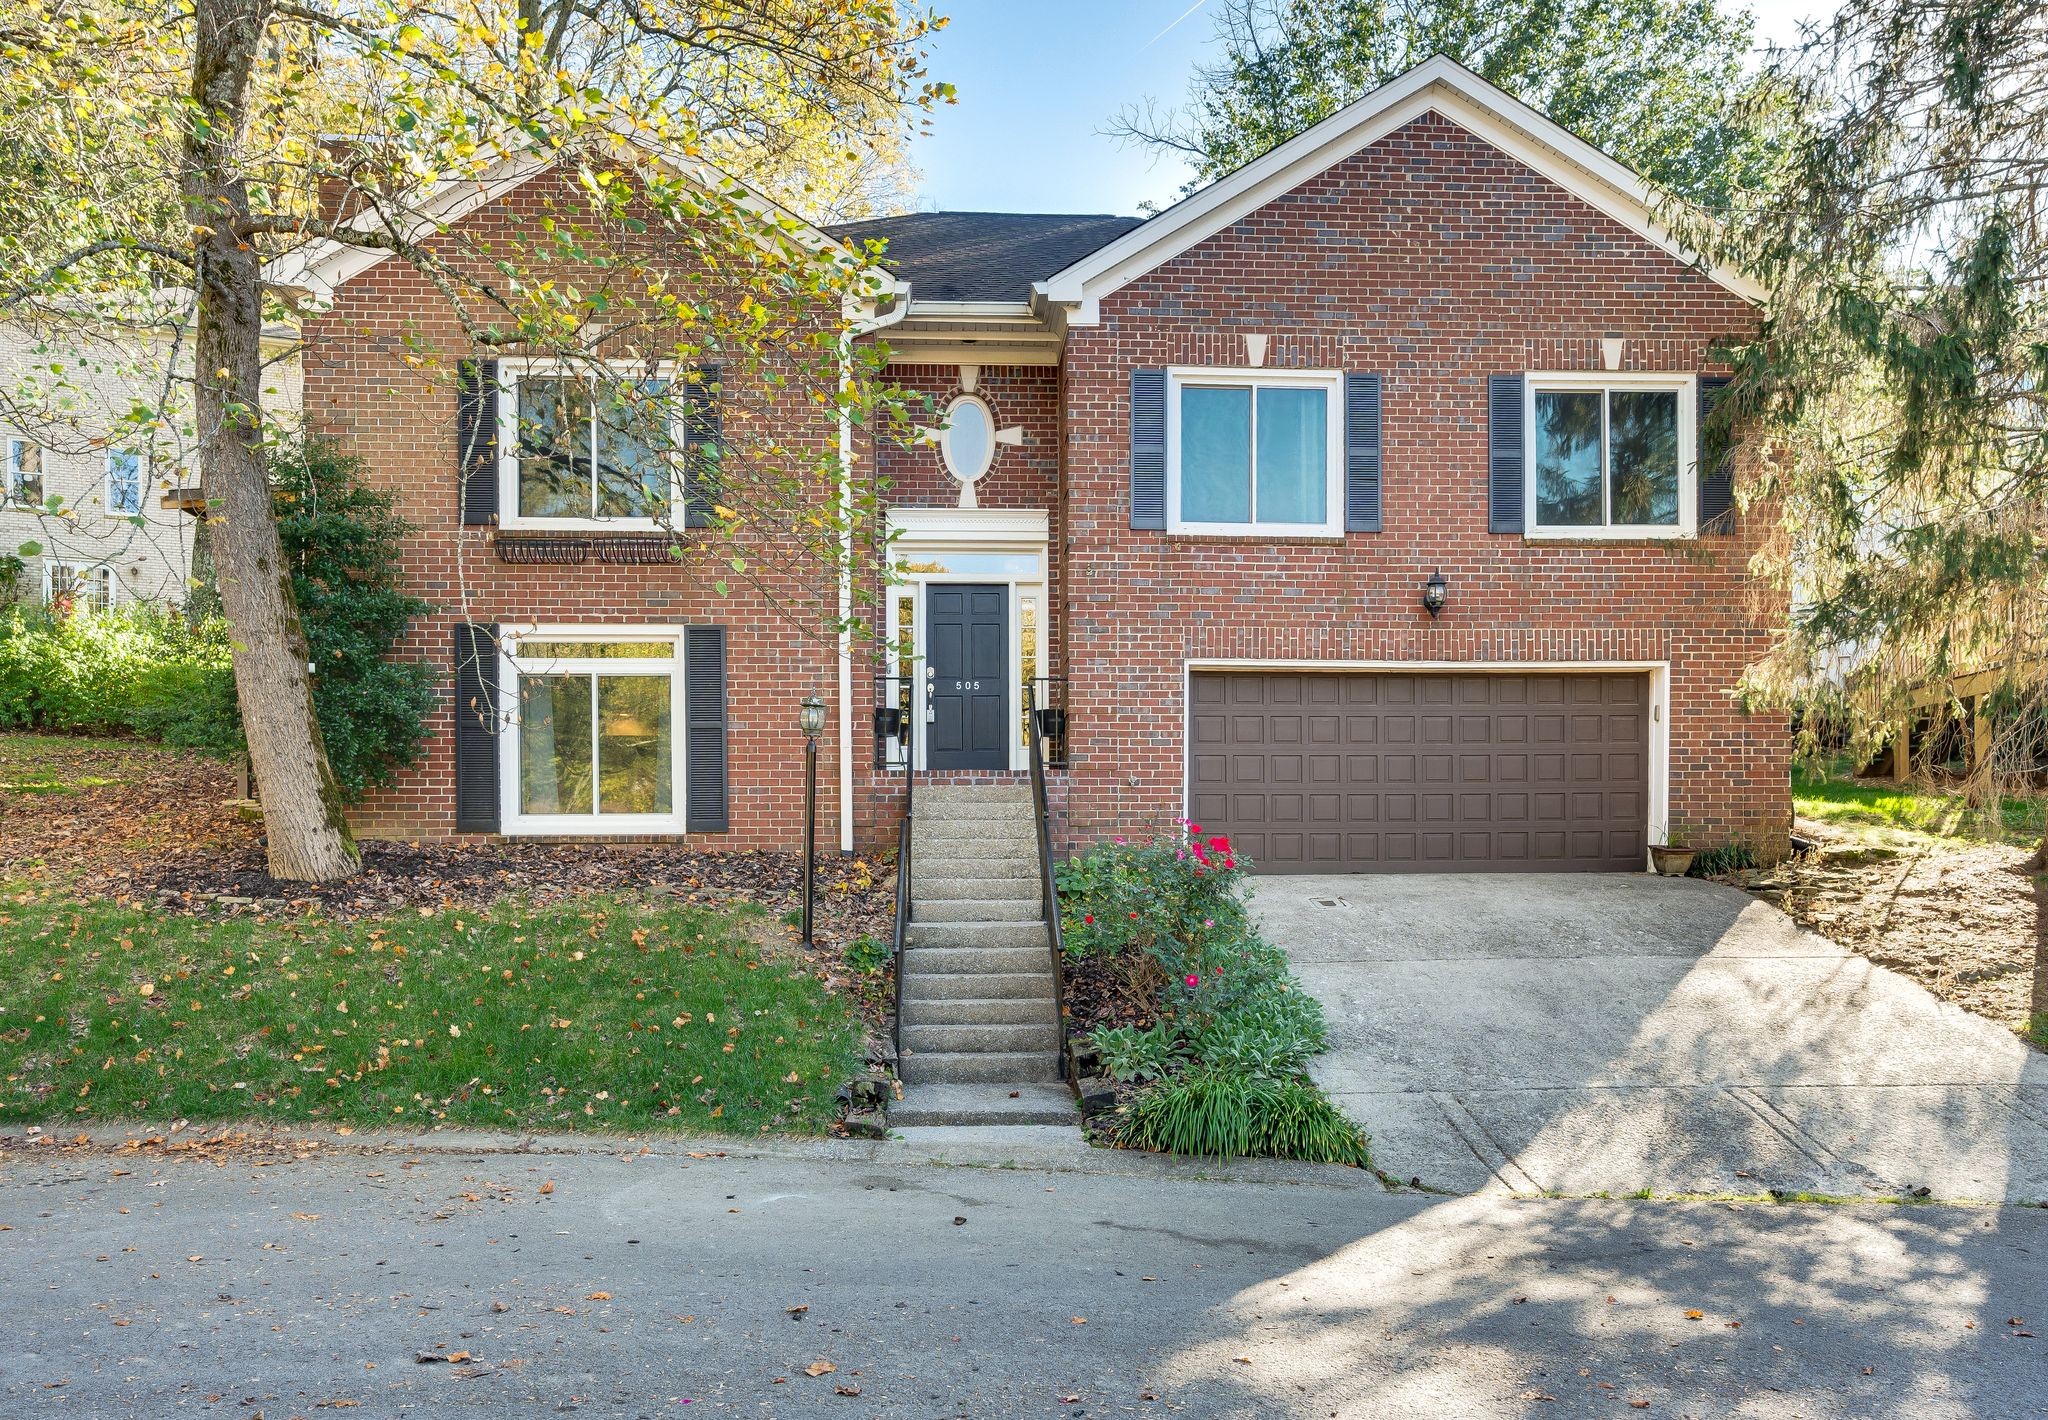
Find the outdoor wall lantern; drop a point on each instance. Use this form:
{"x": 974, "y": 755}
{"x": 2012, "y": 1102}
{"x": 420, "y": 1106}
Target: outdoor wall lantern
{"x": 1433, "y": 593}
{"x": 810, "y": 718}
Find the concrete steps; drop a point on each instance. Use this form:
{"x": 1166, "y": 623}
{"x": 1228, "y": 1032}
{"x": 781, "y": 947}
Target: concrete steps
{"x": 1012, "y": 1068}
{"x": 967, "y": 1104}
{"x": 980, "y": 1017}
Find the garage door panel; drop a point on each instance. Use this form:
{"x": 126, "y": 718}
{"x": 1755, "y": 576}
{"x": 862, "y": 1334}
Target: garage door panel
{"x": 1480, "y": 771}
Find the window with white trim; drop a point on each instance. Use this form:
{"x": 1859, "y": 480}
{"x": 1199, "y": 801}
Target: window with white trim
{"x": 575, "y": 450}
{"x": 24, "y": 472}
{"x": 79, "y": 589}
{"x": 1611, "y": 456}
{"x": 1254, "y": 451}
{"x": 124, "y": 483}
{"x": 595, "y": 744}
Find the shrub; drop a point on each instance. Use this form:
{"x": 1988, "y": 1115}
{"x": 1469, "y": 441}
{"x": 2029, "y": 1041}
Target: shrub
{"x": 104, "y": 672}
{"x": 1140, "y": 1052}
{"x": 1219, "y": 1114}
{"x": 1221, "y": 1067}
{"x": 143, "y": 670}
{"x": 343, "y": 540}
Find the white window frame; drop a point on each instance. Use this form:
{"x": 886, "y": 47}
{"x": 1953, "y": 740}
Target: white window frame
{"x": 16, "y": 447}
{"x": 1582, "y": 381}
{"x": 510, "y": 372}
{"x": 77, "y": 577}
{"x": 1180, "y": 377}
{"x": 927, "y": 534}
{"x": 945, "y": 436}
{"x": 515, "y": 820}
{"x": 141, "y": 484}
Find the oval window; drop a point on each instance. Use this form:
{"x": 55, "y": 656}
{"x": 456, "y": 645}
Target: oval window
{"x": 969, "y": 440}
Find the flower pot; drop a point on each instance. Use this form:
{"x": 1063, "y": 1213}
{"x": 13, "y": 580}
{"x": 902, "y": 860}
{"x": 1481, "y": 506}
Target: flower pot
{"x": 1672, "y": 862}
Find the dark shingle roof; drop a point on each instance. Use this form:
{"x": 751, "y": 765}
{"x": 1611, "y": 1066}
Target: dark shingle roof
{"x": 983, "y": 256}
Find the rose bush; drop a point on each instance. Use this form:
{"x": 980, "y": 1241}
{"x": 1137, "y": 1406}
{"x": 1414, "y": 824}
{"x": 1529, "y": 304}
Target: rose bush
{"x": 1231, "y": 1027}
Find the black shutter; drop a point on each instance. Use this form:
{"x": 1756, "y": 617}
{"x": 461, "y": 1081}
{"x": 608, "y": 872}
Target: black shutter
{"x": 1504, "y": 453}
{"x": 1717, "y": 465}
{"x": 1148, "y": 449}
{"x": 1361, "y": 453}
{"x": 704, "y": 764}
{"x": 476, "y": 440}
{"x": 703, "y": 444}
{"x": 478, "y": 710}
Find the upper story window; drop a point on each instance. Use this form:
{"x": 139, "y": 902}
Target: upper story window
{"x": 1254, "y": 451}
{"x": 124, "y": 482}
{"x": 1611, "y": 456}
{"x": 24, "y": 472}
{"x": 576, "y": 450}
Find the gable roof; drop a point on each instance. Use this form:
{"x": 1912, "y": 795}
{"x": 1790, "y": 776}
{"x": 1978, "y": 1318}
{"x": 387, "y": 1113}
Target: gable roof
{"x": 1438, "y": 85}
{"x": 321, "y": 266}
{"x": 982, "y": 256}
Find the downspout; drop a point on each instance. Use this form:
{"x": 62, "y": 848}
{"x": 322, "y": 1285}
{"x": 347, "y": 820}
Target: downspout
{"x": 855, "y": 329}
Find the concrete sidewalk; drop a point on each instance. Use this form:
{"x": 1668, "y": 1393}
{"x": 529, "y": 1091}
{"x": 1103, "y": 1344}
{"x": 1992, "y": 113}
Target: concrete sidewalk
{"x": 1608, "y": 1033}
{"x": 384, "y": 1283}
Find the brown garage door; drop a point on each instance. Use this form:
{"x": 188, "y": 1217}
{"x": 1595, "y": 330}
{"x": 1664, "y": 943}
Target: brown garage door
{"x": 1423, "y": 772}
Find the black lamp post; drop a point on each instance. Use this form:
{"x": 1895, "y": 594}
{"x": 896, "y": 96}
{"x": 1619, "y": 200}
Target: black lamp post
{"x": 810, "y": 718}
{"x": 1433, "y": 593}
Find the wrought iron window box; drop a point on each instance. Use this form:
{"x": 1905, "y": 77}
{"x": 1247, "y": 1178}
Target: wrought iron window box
{"x": 562, "y": 550}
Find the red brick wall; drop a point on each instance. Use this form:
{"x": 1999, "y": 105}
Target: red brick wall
{"x": 366, "y": 386}
{"x": 1432, "y": 259}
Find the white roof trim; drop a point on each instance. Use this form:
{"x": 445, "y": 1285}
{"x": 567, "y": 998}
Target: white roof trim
{"x": 321, "y": 266}
{"x": 1437, "y": 85}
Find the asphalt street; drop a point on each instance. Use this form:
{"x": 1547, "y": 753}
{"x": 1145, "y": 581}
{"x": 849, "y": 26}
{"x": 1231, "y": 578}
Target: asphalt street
{"x": 666, "y": 1284}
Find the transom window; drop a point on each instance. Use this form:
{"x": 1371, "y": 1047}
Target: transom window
{"x": 593, "y": 749}
{"x": 1253, "y": 450}
{"x": 124, "y": 482}
{"x": 583, "y": 450}
{"x": 1611, "y": 457}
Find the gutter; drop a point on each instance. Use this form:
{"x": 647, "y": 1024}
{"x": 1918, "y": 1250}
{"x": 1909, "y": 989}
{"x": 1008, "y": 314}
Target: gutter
{"x": 855, "y": 329}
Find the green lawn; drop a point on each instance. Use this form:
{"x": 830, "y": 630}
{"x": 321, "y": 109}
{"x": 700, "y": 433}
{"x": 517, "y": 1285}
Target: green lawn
{"x": 599, "y": 1013}
{"x": 1910, "y": 815}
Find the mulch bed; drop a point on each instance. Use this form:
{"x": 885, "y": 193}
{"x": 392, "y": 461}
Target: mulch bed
{"x": 1968, "y": 923}
{"x": 1096, "y": 997}
{"x": 853, "y": 895}
{"x": 165, "y": 834}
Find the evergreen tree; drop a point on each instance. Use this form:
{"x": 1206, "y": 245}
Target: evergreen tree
{"x": 1900, "y": 389}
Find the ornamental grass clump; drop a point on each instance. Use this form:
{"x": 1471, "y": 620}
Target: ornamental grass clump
{"x": 1221, "y": 1068}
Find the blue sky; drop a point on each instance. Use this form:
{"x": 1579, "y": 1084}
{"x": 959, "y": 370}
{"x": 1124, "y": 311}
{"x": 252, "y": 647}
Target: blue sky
{"x": 1040, "y": 79}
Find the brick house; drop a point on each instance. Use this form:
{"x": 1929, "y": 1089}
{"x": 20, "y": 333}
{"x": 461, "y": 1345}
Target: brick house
{"x": 1194, "y": 479}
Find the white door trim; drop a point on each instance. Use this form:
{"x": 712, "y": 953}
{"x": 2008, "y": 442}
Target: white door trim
{"x": 1659, "y": 673}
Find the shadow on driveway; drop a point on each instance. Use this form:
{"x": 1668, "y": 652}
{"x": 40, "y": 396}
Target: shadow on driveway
{"x": 1612, "y": 1033}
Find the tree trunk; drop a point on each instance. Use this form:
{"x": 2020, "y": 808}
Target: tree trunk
{"x": 307, "y": 834}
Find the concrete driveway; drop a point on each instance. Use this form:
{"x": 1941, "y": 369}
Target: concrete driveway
{"x": 1589, "y": 1033}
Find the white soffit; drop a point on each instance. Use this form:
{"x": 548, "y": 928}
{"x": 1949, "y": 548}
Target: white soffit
{"x": 1437, "y": 85}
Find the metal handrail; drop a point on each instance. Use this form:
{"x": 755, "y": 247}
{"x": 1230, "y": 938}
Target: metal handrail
{"x": 903, "y": 898}
{"x": 1047, "y": 885}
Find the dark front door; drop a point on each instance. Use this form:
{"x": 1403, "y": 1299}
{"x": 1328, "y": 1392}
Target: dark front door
{"x": 967, "y": 681}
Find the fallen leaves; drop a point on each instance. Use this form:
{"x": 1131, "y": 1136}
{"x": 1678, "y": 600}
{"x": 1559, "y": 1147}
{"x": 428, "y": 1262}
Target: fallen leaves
{"x": 820, "y": 1367}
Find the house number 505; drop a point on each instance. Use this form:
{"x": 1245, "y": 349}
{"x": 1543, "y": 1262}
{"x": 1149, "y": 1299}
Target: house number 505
{"x": 966, "y": 685}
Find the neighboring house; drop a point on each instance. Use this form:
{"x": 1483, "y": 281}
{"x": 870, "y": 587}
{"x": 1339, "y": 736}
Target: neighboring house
{"x": 95, "y": 434}
{"x": 1197, "y": 474}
